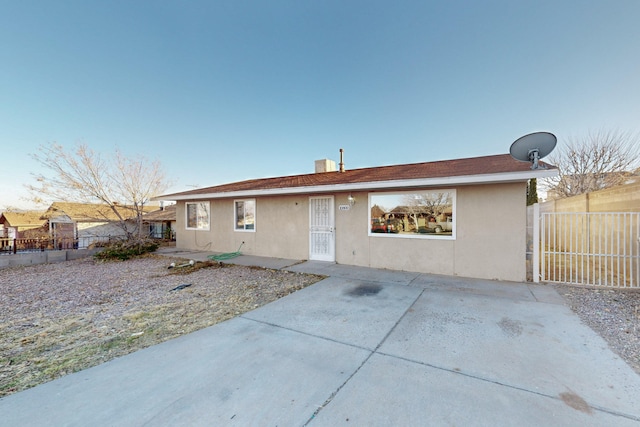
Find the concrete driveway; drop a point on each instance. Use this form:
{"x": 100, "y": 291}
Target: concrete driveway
{"x": 364, "y": 347}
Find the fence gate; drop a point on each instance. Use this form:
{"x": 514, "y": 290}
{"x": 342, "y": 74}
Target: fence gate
{"x": 589, "y": 248}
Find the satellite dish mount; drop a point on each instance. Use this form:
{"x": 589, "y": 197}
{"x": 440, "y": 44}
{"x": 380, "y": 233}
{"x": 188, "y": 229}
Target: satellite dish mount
{"x": 533, "y": 147}
{"x": 534, "y": 158}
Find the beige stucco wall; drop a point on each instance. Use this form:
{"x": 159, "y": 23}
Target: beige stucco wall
{"x": 490, "y": 237}
{"x": 282, "y": 229}
{"x": 490, "y": 240}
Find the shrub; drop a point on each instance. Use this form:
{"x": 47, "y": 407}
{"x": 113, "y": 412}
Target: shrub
{"x": 127, "y": 249}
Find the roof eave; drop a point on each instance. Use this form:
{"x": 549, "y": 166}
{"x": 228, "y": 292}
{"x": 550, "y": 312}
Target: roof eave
{"x": 448, "y": 181}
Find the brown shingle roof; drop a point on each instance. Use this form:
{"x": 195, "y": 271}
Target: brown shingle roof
{"x": 89, "y": 212}
{"x": 22, "y": 219}
{"x": 166, "y": 214}
{"x": 496, "y": 164}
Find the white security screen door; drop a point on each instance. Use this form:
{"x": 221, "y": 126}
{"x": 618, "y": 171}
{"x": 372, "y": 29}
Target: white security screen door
{"x": 322, "y": 242}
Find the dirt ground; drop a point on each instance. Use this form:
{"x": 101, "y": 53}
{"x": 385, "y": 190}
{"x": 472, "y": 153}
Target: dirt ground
{"x": 56, "y": 319}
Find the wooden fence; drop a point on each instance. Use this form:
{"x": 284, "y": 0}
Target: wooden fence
{"x": 13, "y": 246}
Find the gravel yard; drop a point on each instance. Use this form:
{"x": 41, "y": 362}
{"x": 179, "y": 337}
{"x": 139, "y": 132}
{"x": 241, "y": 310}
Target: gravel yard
{"x": 60, "y": 318}
{"x": 614, "y": 314}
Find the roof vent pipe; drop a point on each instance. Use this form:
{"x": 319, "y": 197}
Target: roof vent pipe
{"x": 341, "y": 160}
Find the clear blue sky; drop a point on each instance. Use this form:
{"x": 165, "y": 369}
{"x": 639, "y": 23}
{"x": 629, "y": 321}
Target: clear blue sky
{"x": 222, "y": 91}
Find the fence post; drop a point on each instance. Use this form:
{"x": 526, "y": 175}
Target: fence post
{"x": 15, "y": 246}
{"x": 536, "y": 243}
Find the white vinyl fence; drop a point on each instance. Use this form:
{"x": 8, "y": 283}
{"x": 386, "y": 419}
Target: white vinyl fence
{"x": 588, "y": 248}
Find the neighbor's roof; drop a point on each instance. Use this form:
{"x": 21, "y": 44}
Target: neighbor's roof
{"x": 166, "y": 214}
{"x": 22, "y": 219}
{"x": 89, "y": 212}
{"x": 476, "y": 170}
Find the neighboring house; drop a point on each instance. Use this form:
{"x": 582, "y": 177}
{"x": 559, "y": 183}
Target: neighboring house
{"x": 337, "y": 216}
{"x": 87, "y": 223}
{"x": 16, "y": 224}
{"x": 162, "y": 222}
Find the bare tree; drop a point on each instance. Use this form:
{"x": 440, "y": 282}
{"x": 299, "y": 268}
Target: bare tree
{"x": 435, "y": 203}
{"x": 84, "y": 176}
{"x": 425, "y": 204}
{"x": 601, "y": 159}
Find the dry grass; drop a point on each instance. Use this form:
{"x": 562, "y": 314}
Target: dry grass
{"x": 61, "y": 318}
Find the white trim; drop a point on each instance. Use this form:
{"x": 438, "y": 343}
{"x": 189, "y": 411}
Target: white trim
{"x": 536, "y": 243}
{"x": 375, "y": 185}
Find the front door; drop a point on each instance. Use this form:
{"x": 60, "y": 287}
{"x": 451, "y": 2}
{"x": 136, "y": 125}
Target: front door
{"x": 322, "y": 241}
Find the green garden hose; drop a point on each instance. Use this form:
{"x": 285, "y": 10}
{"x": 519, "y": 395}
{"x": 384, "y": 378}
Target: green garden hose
{"x": 226, "y": 256}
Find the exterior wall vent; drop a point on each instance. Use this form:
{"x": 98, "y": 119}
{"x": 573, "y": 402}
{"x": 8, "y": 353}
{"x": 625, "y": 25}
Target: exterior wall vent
{"x": 325, "y": 165}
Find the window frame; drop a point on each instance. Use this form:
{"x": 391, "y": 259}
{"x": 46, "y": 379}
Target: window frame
{"x": 423, "y": 236}
{"x": 198, "y": 204}
{"x": 235, "y": 215}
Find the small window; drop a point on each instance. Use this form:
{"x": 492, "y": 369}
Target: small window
{"x": 420, "y": 214}
{"x": 197, "y": 215}
{"x": 245, "y": 215}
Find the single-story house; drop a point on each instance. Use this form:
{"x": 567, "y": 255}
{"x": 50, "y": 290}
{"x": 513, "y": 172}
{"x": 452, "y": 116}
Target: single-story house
{"x": 82, "y": 224}
{"x": 15, "y": 224}
{"x": 162, "y": 222}
{"x": 464, "y": 217}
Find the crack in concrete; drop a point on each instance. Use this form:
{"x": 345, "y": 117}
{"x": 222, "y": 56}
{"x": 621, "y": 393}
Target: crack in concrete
{"x": 366, "y": 359}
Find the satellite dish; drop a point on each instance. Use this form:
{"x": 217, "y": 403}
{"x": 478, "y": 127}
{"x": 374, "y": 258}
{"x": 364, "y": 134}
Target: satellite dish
{"x": 533, "y": 147}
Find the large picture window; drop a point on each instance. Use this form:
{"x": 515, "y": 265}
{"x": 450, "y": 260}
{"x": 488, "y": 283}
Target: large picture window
{"x": 197, "y": 215}
{"x": 245, "y": 215}
{"x": 416, "y": 214}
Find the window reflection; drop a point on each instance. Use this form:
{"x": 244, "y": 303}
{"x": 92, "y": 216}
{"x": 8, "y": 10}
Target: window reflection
{"x": 415, "y": 214}
{"x": 197, "y": 215}
{"x": 245, "y": 215}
